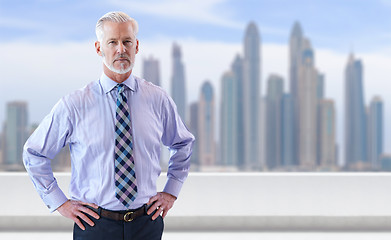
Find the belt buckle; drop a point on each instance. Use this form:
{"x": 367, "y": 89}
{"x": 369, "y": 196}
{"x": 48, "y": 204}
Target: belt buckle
{"x": 128, "y": 217}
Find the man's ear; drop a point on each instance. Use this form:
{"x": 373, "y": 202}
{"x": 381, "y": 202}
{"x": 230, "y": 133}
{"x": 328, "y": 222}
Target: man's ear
{"x": 136, "y": 46}
{"x": 97, "y": 48}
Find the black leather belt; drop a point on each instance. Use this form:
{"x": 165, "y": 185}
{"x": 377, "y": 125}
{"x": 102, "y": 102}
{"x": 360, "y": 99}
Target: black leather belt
{"x": 127, "y": 216}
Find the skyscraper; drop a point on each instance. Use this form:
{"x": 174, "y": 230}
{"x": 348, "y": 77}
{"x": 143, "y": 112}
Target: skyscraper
{"x": 295, "y": 50}
{"x": 385, "y": 160}
{"x": 16, "y": 134}
{"x": 274, "y": 97}
{"x": 320, "y": 86}
{"x": 287, "y": 158}
{"x": 1, "y": 149}
{"x": 206, "y": 131}
{"x": 151, "y": 70}
{"x": 237, "y": 70}
{"x": 251, "y": 96}
{"x": 320, "y": 97}
{"x": 355, "y": 118}
{"x": 375, "y": 132}
{"x": 308, "y": 105}
{"x": 193, "y": 127}
{"x": 327, "y": 149}
{"x": 295, "y": 56}
{"x": 178, "y": 84}
{"x": 228, "y": 118}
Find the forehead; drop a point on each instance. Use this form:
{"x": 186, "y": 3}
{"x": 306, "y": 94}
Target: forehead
{"x": 117, "y": 30}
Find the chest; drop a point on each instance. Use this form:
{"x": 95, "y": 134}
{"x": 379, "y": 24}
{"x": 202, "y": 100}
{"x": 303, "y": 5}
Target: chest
{"x": 95, "y": 123}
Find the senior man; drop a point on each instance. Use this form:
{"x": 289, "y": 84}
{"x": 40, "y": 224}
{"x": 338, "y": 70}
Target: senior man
{"x": 114, "y": 127}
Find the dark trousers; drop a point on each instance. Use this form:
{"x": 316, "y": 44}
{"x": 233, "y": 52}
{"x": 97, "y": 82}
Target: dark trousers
{"x": 142, "y": 227}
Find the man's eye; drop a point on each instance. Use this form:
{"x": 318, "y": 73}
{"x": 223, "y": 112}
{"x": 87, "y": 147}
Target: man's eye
{"x": 111, "y": 42}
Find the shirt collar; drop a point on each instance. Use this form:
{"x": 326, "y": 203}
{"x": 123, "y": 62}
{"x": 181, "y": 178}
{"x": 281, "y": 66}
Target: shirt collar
{"x": 108, "y": 84}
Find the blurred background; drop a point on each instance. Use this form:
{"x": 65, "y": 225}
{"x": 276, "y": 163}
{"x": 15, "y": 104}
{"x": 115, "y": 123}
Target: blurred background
{"x": 267, "y": 87}
{"x": 263, "y": 85}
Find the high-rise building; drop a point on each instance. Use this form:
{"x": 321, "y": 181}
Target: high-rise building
{"x": 228, "y": 118}
{"x": 193, "y": 127}
{"x": 1, "y": 149}
{"x": 287, "y": 157}
{"x": 295, "y": 56}
{"x": 273, "y": 142}
{"x": 251, "y": 96}
{"x": 262, "y": 133}
{"x": 385, "y": 161}
{"x": 178, "y": 84}
{"x": 327, "y": 122}
{"x": 15, "y": 134}
{"x": 375, "y": 132}
{"x": 320, "y": 97}
{"x": 151, "y": 70}
{"x": 355, "y": 117}
{"x": 237, "y": 70}
{"x": 320, "y": 86}
{"x": 206, "y": 125}
{"x": 308, "y": 105}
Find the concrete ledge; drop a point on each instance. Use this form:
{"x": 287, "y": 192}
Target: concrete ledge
{"x": 234, "y": 202}
{"x": 219, "y": 223}
{"x": 279, "y": 223}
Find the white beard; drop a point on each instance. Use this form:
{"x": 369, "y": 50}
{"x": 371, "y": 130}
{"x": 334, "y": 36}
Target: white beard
{"x": 113, "y": 69}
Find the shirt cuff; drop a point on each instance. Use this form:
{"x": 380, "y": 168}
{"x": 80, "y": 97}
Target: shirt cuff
{"x": 55, "y": 199}
{"x": 173, "y": 187}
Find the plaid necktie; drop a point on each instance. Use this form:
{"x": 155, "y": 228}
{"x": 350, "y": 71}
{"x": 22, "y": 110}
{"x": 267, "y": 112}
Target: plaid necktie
{"x": 125, "y": 176}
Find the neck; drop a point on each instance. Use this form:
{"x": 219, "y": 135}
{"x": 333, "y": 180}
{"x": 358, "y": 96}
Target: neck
{"x": 116, "y": 77}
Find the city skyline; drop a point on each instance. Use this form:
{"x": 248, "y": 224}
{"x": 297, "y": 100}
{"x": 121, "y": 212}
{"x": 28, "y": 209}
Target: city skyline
{"x": 205, "y": 57}
{"x": 315, "y": 125}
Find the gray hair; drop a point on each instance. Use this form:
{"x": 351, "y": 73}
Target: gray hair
{"x": 117, "y": 17}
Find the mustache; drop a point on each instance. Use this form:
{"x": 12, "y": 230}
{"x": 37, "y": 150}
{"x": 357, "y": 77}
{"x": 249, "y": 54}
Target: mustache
{"x": 122, "y": 55}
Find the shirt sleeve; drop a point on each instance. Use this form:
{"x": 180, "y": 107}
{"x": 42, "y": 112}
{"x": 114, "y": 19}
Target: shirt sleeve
{"x": 47, "y": 140}
{"x": 179, "y": 140}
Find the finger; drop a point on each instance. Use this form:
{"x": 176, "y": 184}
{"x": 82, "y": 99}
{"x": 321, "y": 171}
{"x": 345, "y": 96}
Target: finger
{"x": 86, "y": 219}
{"x": 93, "y": 205}
{"x": 157, "y": 213}
{"x": 89, "y": 212}
{"x": 78, "y": 223}
{"x": 152, "y": 199}
{"x": 153, "y": 207}
{"x": 165, "y": 211}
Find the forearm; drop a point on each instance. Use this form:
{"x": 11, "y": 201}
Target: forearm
{"x": 47, "y": 140}
{"x": 178, "y": 168}
{"x": 41, "y": 174}
{"x": 180, "y": 142}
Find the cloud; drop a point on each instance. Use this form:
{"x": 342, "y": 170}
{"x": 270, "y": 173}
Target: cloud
{"x": 199, "y": 11}
{"x": 42, "y": 73}
{"x": 386, "y": 2}
{"x": 19, "y": 23}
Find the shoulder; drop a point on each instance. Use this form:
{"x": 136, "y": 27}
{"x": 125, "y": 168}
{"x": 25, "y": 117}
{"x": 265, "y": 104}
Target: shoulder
{"x": 156, "y": 97}
{"x": 83, "y": 96}
{"x": 150, "y": 90}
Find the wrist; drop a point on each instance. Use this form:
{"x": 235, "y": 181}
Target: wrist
{"x": 62, "y": 205}
{"x": 170, "y": 196}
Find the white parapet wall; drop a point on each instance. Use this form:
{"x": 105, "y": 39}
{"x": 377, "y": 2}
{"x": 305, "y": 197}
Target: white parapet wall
{"x": 235, "y": 202}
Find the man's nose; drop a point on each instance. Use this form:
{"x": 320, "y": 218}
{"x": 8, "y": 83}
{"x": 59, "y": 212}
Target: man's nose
{"x": 121, "y": 48}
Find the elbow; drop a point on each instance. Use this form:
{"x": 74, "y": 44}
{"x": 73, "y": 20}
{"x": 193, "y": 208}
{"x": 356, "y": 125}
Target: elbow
{"x": 29, "y": 156}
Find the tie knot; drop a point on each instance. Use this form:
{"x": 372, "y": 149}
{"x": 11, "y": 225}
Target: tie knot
{"x": 120, "y": 88}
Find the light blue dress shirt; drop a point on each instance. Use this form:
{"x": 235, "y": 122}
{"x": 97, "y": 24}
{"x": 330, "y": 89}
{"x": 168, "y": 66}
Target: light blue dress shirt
{"x": 85, "y": 120}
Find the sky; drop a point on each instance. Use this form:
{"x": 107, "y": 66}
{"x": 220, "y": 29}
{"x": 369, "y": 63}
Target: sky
{"x": 47, "y": 46}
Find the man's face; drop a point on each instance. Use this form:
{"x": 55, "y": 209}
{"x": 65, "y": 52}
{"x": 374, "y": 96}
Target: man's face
{"x": 118, "y": 47}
